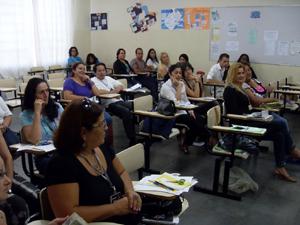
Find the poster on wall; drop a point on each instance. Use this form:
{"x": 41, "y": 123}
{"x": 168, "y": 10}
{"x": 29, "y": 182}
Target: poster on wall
{"x": 172, "y": 19}
{"x": 98, "y": 21}
{"x": 141, "y": 17}
{"x": 196, "y": 18}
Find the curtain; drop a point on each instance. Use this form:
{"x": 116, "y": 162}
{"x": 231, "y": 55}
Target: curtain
{"x": 34, "y": 33}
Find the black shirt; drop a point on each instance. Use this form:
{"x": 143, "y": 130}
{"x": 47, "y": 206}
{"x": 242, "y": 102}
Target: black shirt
{"x": 93, "y": 190}
{"x": 121, "y": 68}
{"x": 235, "y": 101}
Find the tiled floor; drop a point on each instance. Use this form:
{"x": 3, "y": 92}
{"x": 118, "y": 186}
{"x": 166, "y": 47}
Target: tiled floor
{"x": 276, "y": 203}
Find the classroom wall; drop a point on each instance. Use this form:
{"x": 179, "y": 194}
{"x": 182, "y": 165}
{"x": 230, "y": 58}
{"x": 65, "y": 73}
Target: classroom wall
{"x": 195, "y": 43}
{"x": 82, "y": 32}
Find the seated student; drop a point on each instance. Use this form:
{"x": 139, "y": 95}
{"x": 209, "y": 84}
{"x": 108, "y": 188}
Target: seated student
{"x": 39, "y": 118}
{"x": 139, "y": 66}
{"x": 183, "y": 58}
{"x": 194, "y": 88}
{"x": 90, "y": 61}
{"x": 151, "y": 60}
{"x": 13, "y": 209}
{"x": 85, "y": 178}
{"x": 116, "y": 105}
{"x": 122, "y": 66}
{"x": 255, "y": 90}
{"x": 174, "y": 89}
{"x": 244, "y": 59}
{"x": 80, "y": 86}
{"x": 216, "y": 74}
{"x": 237, "y": 102}
{"x": 5, "y": 120}
{"x": 73, "y": 56}
{"x": 163, "y": 67}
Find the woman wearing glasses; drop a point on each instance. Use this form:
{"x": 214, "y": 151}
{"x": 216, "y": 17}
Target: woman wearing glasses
{"x": 39, "y": 118}
{"x": 87, "y": 179}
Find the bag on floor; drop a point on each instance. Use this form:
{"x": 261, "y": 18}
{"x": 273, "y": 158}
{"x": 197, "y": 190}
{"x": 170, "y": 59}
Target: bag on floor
{"x": 239, "y": 180}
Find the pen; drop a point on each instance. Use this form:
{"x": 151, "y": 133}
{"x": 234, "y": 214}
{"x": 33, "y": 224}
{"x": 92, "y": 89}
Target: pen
{"x": 162, "y": 185}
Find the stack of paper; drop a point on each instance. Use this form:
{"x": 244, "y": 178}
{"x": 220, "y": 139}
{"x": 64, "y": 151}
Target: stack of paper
{"x": 28, "y": 147}
{"x": 134, "y": 87}
{"x": 166, "y": 182}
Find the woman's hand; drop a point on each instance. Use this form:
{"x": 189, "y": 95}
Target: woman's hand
{"x": 122, "y": 206}
{"x": 3, "y": 127}
{"x": 58, "y": 221}
{"x": 192, "y": 114}
{"x": 134, "y": 201}
{"x": 38, "y": 105}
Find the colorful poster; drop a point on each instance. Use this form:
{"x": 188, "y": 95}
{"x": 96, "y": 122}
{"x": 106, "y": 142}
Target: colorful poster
{"x": 196, "y": 18}
{"x": 142, "y": 18}
{"x": 172, "y": 19}
{"x": 98, "y": 21}
{"x": 215, "y": 16}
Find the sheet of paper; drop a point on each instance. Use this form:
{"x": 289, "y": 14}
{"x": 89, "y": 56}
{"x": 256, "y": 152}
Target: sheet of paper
{"x": 44, "y": 148}
{"x": 295, "y": 47}
{"x": 270, "y": 35}
{"x": 252, "y": 36}
{"x": 269, "y": 48}
{"x": 232, "y": 46}
{"x": 283, "y": 48}
{"x": 215, "y": 49}
{"x": 232, "y": 29}
{"x": 216, "y": 34}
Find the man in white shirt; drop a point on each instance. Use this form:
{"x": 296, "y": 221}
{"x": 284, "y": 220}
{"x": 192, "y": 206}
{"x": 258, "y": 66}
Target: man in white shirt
{"x": 115, "y": 105}
{"x": 216, "y": 74}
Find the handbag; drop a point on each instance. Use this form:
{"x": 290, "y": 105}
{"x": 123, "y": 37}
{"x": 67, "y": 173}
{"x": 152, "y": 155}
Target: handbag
{"x": 166, "y": 107}
{"x": 243, "y": 142}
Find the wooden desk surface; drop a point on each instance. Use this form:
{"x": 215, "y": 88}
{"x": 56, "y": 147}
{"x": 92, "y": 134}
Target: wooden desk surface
{"x": 213, "y": 84}
{"x": 186, "y": 107}
{"x": 245, "y": 131}
{"x": 297, "y": 88}
{"x": 109, "y": 96}
{"x": 123, "y": 75}
{"x": 202, "y": 99}
{"x": 245, "y": 117}
{"x": 288, "y": 92}
{"x": 153, "y": 114}
{"x": 56, "y": 88}
{"x": 5, "y": 89}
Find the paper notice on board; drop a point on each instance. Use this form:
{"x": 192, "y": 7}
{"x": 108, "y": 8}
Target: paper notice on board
{"x": 252, "y": 36}
{"x": 215, "y": 49}
{"x": 232, "y": 46}
{"x": 216, "y": 34}
{"x": 295, "y": 47}
{"x": 232, "y": 29}
{"x": 283, "y": 48}
{"x": 270, "y": 35}
{"x": 269, "y": 48}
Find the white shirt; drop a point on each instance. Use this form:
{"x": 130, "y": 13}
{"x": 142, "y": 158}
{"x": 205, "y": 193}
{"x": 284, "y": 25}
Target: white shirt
{"x": 4, "y": 110}
{"x": 107, "y": 84}
{"x": 168, "y": 91}
{"x": 152, "y": 63}
{"x": 216, "y": 73}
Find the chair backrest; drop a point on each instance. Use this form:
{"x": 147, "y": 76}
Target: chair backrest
{"x": 52, "y": 76}
{"x": 56, "y": 82}
{"x": 109, "y": 71}
{"x": 26, "y": 78}
{"x": 22, "y": 87}
{"x": 46, "y": 210}
{"x": 132, "y": 158}
{"x": 55, "y": 67}
{"x": 37, "y": 68}
{"x": 214, "y": 116}
{"x": 123, "y": 82}
{"x": 144, "y": 103}
{"x": 8, "y": 83}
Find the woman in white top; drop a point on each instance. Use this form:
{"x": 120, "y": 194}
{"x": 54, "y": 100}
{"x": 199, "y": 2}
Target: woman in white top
{"x": 115, "y": 105}
{"x": 151, "y": 60}
{"x": 174, "y": 89}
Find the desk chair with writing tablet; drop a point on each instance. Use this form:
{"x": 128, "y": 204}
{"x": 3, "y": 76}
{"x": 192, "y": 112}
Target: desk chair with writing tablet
{"x": 213, "y": 123}
{"x": 142, "y": 107}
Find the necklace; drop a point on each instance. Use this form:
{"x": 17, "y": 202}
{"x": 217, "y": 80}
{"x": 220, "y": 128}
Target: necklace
{"x": 96, "y": 166}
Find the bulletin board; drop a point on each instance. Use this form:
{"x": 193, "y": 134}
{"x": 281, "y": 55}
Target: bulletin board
{"x": 269, "y": 35}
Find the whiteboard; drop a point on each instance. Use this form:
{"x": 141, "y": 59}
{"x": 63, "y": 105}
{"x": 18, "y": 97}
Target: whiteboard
{"x": 268, "y": 34}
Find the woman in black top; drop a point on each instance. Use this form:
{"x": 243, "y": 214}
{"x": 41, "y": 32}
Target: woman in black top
{"x": 82, "y": 177}
{"x": 237, "y": 102}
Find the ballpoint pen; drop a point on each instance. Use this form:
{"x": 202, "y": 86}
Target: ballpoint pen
{"x": 162, "y": 185}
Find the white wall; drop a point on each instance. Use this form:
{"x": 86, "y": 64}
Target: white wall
{"x": 195, "y": 43}
{"x": 82, "y": 32}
